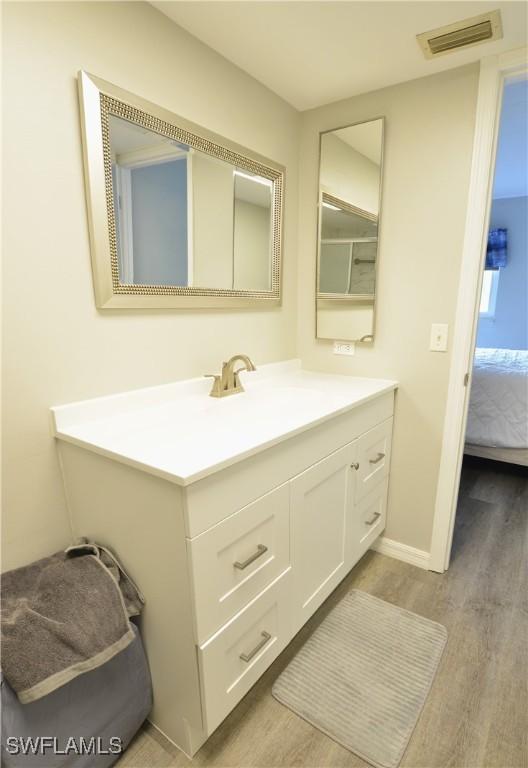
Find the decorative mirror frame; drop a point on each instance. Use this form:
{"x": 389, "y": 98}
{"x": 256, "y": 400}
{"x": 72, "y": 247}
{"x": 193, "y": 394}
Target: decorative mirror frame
{"x": 100, "y": 99}
{"x": 329, "y": 299}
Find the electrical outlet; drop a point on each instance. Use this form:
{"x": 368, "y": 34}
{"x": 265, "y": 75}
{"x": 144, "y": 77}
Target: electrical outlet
{"x": 344, "y": 348}
{"x": 438, "y": 342}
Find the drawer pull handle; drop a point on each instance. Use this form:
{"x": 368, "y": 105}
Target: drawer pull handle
{"x": 251, "y": 559}
{"x": 374, "y": 518}
{"x": 355, "y": 465}
{"x": 380, "y": 456}
{"x": 266, "y": 637}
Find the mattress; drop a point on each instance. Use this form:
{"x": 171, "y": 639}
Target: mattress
{"x": 508, "y": 455}
{"x": 498, "y": 405}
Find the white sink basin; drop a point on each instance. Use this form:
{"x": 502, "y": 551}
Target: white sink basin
{"x": 178, "y": 432}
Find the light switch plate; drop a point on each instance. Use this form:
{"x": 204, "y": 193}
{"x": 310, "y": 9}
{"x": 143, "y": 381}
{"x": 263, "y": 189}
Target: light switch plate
{"x": 438, "y": 341}
{"x": 344, "y": 348}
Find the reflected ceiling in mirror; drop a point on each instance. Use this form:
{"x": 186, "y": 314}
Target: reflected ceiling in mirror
{"x": 349, "y": 211}
{"x": 189, "y": 221}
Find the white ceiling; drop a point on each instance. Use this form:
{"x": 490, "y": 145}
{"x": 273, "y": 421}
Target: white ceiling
{"x": 313, "y": 53}
{"x": 128, "y": 137}
{"x": 511, "y": 166}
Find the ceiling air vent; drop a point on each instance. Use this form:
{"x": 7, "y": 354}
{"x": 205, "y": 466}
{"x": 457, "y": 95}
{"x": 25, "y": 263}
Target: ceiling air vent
{"x": 478, "y": 29}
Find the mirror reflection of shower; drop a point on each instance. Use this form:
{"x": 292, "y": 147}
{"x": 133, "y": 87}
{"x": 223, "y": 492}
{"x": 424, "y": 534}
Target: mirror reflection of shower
{"x": 349, "y": 242}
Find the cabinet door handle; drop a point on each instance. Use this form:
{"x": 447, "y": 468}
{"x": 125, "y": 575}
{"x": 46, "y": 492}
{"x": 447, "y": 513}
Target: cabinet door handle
{"x": 251, "y": 559}
{"x": 266, "y": 637}
{"x": 374, "y": 518}
{"x": 355, "y": 465}
{"x": 379, "y": 457}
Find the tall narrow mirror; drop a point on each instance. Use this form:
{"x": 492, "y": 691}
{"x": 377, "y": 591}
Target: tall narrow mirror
{"x": 350, "y": 175}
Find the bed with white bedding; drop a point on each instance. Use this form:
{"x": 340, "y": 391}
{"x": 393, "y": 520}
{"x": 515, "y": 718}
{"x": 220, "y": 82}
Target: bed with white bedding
{"x": 497, "y": 425}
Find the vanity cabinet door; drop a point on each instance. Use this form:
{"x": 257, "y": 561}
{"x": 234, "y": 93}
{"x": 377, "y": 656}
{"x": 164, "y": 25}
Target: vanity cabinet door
{"x": 322, "y": 507}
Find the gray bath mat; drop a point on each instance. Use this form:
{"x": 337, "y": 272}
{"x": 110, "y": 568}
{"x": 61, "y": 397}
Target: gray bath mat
{"x": 364, "y": 675}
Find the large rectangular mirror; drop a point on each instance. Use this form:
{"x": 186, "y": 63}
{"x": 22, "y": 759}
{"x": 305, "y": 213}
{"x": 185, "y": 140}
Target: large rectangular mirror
{"x": 350, "y": 175}
{"x": 179, "y": 217}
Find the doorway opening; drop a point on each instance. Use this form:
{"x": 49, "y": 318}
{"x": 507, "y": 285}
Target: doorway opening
{"x": 493, "y": 244}
{"x": 494, "y": 477}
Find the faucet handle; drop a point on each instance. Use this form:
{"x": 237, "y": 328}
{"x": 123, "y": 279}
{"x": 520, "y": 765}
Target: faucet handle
{"x": 216, "y": 389}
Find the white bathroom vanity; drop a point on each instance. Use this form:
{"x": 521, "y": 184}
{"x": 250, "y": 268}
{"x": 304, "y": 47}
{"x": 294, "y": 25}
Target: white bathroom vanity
{"x": 237, "y": 517}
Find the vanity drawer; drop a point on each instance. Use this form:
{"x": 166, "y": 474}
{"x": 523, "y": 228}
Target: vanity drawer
{"x": 369, "y": 522}
{"x": 235, "y": 560}
{"x": 373, "y": 454}
{"x": 234, "y": 659}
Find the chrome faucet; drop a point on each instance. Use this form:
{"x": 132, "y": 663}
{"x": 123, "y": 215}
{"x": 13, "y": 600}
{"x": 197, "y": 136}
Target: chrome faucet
{"x": 228, "y": 382}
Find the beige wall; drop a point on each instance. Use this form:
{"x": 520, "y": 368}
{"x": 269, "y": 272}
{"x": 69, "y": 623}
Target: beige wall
{"x": 349, "y": 175}
{"x": 212, "y": 216}
{"x": 428, "y": 142}
{"x": 337, "y": 321}
{"x": 57, "y": 346}
{"x": 252, "y": 246}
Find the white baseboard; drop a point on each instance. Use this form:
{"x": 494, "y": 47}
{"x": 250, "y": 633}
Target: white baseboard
{"x": 402, "y": 552}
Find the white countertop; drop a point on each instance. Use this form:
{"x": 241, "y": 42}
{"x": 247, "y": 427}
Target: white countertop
{"x": 176, "y": 431}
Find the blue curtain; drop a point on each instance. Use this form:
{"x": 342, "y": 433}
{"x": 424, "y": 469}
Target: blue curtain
{"x": 497, "y": 248}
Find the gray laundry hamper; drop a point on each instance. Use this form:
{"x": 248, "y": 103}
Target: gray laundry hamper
{"x": 110, "y": 702}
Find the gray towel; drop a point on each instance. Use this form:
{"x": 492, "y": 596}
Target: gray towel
{"x": 62, "y": 616}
